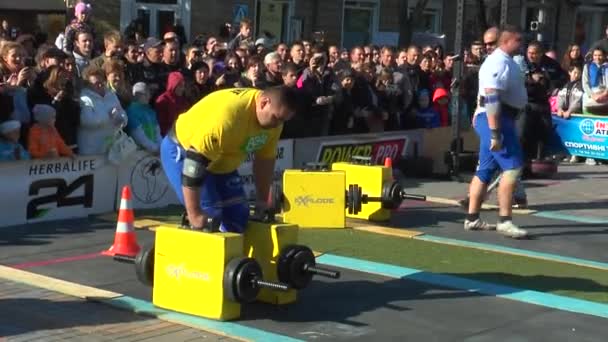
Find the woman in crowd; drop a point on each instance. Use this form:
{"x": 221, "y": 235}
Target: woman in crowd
{"x": 101, "y": 114}
{"x": 117, "y": 83}
{"x": 572, "y": 56}
{"x": 595, "y": 77}
{"x": 57, "y": 90}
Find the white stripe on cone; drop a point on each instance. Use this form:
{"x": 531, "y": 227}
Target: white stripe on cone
{"x": 125, "y": 204}
{"x": 124, "y": 227}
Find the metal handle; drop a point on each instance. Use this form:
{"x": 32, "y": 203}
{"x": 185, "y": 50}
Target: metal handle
{"x": 270, "y": 285}
{"x": 413, "y": 197}
{"x": 124, "y": 258}
{"x": 322, "y": 271}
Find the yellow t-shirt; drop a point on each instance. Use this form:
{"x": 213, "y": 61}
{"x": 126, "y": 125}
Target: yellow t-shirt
{"x": 224, "y": 128}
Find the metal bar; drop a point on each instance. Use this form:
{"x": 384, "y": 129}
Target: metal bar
{"x": 458, "y": 71}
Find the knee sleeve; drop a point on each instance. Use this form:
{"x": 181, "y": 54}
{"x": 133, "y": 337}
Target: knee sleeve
{"x": 511, "y": 175}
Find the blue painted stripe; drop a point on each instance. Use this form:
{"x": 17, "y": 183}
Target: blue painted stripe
{"x": 502, "y": 291}
{"x": 515, "y": 251}
{"x": 581, "y": 219}
{"x": 229, "y": 329}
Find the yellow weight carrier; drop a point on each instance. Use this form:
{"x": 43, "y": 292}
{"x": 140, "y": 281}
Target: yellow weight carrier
{"x": 371, "y": 178}
{"x": 189, "y": 271}
{"x": 314, "y": 199}
{"x": 264, "y": 242}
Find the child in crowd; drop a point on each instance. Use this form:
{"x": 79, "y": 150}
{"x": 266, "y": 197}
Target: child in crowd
{"x": 10, "y": 148}
{"x": 172, "y": 102}
{"x": 43, "y": 140}
{"x": 441, "y": 104}
{"x": 570, "y": 97}
{"x": 142, "y": 124}
{"x": 426, "y": 117}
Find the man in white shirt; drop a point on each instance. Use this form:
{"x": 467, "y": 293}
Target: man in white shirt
{"x": 502, "y": 94}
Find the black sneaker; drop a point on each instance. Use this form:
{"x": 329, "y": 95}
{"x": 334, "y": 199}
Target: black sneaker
{"x": 520, "y": 203}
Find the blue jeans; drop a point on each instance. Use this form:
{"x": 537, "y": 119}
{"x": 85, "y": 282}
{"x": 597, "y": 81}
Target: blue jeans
{"x": 222, "y": 195}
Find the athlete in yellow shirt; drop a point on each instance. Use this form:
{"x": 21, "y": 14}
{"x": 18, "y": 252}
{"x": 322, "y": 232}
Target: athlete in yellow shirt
{"x": 202, "y": 152}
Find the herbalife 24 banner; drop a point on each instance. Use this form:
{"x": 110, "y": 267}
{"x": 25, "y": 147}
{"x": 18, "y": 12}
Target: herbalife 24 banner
{"x": 582, "y": 136}
{"x": 42, "y": 190}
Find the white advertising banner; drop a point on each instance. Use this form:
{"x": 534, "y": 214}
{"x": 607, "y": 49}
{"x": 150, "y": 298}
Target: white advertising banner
{"x": 149, "y": 185}
{"x": 44, "y": 190}
{"x": 284, "y": 161}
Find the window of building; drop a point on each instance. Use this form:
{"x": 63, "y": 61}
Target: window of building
{"x": 155, "y": 17}
{"x": 272, "y": 19}
{"x": 359, "y": 22}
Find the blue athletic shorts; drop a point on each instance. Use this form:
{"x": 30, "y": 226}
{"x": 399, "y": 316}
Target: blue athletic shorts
{"x": 510, "y": 157}
{"x": 222, "y": 195}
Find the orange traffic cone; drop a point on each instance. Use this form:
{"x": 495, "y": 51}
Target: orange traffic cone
{"x": 388, "y": 162}
{"x": 125, "y": 241}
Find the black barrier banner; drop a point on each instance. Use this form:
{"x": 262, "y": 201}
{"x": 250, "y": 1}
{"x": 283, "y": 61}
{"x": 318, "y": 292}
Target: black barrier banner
{"x": 377, "y": 149}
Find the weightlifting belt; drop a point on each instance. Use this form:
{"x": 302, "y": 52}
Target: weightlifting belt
{"x": 504, "y": 108}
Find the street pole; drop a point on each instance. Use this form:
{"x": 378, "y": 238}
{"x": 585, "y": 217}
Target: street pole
{"x": 504, "y": 9}
{"x": 458, "y": 72}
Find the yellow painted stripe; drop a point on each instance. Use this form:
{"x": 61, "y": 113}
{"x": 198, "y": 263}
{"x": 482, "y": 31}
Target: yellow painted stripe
{"x": 403, "y": 233}
{"x": 147, "y": 224}
{"x": 57, "y": 285}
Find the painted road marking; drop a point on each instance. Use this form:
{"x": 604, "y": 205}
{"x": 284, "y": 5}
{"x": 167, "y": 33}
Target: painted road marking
{"x": 522, "y": 295}
{"x": 57, "y": 261}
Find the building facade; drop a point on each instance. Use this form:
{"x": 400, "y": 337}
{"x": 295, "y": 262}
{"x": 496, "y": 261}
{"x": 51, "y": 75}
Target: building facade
{"x": 344, "y": 22}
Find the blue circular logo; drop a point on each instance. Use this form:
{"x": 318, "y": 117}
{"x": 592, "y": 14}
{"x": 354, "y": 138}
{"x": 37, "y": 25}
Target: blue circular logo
{"x": 587, "y": 126}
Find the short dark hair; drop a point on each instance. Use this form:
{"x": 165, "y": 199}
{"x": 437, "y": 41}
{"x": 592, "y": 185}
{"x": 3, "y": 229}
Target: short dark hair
{"x": 287, "y": 97}
{"x": 536, "y": 44}
{"x": 289, "y": 67}
{"x": 200, "y": 65}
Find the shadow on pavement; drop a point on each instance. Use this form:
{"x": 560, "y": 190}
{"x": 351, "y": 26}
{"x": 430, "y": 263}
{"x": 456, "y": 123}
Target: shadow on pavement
{"x": 27, "y": 315}
{"x": 42, "y": 233}
{"x": 339, "y": 301}
{"x": 534, "y": 282}
{"x": 597, "y": 204}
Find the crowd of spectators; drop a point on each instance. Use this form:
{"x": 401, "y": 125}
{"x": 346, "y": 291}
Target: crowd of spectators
{"x": 71, "y": 97}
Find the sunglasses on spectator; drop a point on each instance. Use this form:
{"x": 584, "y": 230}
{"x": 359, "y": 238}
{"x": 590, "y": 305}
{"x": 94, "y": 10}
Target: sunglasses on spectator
{"x": 492, "y": 43}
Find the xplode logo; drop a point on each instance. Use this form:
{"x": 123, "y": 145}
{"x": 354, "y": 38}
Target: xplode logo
{"x": 180, "y": 271}
{"x": 305, "y": 201}
{"x": 594, "y": 127}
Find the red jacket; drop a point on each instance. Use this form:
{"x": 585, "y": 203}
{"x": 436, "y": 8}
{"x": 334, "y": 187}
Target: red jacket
{"x": 168, "y": 105}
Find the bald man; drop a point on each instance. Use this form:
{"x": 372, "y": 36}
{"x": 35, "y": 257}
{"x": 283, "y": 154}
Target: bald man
{"x": 502, "y": 95}
{"x": 490, "y": 39}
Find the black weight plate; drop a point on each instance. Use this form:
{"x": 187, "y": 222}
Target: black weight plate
{"x": 357, "y": 198}
{"x": 396, "y": 192}
{"x": 300, "y": 278}
{"x": 283, "y": 263}
{"x": 350, "y": 199}
{"x": 229, "y": 278}
{"x": 246, "y": 289}
{"x": 144, "y": 265}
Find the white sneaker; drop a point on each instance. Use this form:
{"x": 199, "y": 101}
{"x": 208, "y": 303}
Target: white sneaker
{"x": 509, "y": 229}
{"x": 478, "y": 225}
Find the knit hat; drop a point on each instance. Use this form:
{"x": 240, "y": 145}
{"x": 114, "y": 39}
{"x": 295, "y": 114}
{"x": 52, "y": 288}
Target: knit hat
{"x": 82, "y": 8}
{"x": 43, "y": 113}
{"x": 9, "y": 126}
{"x": 140, "y": 88}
